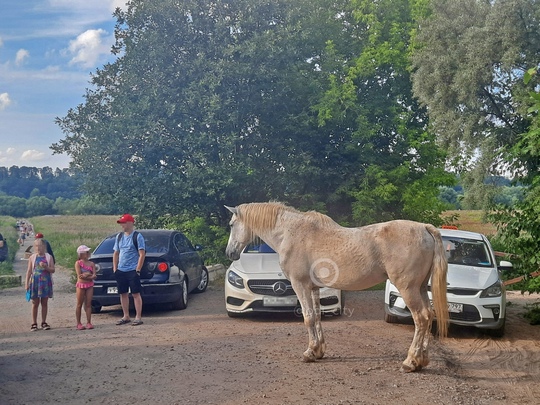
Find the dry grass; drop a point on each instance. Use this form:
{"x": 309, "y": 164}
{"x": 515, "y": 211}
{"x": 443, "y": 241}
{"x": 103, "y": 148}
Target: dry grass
{"x": 471, "y": 220}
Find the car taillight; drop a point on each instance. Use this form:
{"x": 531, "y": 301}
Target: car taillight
{"x": 162, "y": 267}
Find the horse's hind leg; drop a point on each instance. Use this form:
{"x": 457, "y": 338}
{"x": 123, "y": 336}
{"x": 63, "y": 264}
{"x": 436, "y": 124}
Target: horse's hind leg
{"x": 305, "y": 297}
{"x": 316, "y": 300}
{"x": 418, "y": 304}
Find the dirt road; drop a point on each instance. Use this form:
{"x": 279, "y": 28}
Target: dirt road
{"x": 200, "y": 356}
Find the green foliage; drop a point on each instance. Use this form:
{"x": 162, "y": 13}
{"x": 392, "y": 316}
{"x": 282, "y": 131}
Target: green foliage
{"x": 533, "y": 313}
{"x": 519, "y": 225}
{"x": 205, "y": 232}
{"x": 9, "y": 232}
{"x": 308, "y": 102}
{"x": 467, "y": 69}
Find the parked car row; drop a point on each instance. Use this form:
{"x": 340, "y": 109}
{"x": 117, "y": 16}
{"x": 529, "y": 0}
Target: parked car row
{"x": 255, "y": 282}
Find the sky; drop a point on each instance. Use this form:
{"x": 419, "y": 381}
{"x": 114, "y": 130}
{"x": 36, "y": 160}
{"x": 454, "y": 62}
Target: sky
{"x": 48, "y": 51}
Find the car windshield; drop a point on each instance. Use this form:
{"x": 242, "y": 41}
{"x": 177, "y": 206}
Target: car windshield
{"x": 155, "y": 243}
{"x": 258, "y": 248}
{"x": 468, "y": 252}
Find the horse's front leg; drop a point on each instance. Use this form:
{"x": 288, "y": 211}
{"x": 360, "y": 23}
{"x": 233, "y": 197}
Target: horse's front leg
{"x": 304, "y": 296}
{"x": 315, "y": 298}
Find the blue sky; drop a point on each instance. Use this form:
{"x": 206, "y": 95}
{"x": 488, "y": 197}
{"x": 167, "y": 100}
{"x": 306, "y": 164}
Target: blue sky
{"x": 48, "y": 49}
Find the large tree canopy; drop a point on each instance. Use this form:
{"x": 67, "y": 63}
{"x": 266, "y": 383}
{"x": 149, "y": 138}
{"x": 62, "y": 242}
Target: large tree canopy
{"x": 231, "y": 101}
{"x": 468, "y": 71}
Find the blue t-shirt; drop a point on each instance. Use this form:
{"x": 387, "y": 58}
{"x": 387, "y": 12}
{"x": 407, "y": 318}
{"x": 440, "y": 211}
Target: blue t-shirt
{"x": 129, "y": 256}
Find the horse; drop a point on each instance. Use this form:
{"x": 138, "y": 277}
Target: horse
{"x": 314, "y": 251}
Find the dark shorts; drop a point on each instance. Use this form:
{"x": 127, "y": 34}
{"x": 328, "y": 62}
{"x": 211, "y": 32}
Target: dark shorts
{"x": 128, "y": 280}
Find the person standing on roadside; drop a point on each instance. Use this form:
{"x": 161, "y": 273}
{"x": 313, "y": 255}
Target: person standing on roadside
{"x": 39, "y": 282}
{"x": 128, "y": 260}
{"x": 39, "y": 235}
{"x": 86, "y": 274}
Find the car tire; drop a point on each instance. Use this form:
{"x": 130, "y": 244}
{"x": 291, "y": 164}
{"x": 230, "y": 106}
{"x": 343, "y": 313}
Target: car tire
{"x": 203, "y": 284}
{"x": 390, "y": 318}
{"x": 182, "y": 301}
{"x": 96, "y": 309}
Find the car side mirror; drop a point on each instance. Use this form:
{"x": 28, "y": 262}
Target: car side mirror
{"x": 198, "y": 248}
{"x": 505, "y": 265}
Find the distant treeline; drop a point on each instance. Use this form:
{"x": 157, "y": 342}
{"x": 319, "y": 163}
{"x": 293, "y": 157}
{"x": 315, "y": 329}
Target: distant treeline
{"x": 31, "y": 191}
{"x": 26, "y": 182}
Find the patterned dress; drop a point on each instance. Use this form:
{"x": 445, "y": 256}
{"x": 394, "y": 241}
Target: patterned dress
{"x": 41, "y": 285}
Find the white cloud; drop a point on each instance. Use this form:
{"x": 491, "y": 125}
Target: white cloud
{"x": 5, "y": 101}
{"x": 88, "y": 47}
{"x": 32, "y": 155}
{"x": 22, "y": 54}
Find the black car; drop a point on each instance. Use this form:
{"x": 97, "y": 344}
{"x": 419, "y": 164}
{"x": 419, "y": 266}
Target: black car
{"x": 172, "y": 269}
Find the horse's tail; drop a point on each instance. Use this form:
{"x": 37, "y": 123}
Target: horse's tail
{"x": 439, "y": 268}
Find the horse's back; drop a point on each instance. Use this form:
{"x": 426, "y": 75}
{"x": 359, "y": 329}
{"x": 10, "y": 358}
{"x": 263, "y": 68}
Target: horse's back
{"x": 358, "y": 258}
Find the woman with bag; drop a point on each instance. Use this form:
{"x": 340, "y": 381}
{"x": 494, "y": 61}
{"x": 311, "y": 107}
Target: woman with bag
{"x": 39, "y": 283}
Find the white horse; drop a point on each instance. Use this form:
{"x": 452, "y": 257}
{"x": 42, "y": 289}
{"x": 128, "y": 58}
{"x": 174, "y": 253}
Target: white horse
{"x": 315, "y": 251}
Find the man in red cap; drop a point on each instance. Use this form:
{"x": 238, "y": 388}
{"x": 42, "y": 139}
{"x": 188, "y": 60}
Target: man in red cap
{"x": 128, "y": 260}
{"x": 48, "y": 247}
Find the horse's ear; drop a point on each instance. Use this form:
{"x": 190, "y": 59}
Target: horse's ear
{"x": 234, "y": 210}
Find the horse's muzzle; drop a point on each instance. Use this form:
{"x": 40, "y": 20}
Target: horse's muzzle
{"x": 232, "y": 254}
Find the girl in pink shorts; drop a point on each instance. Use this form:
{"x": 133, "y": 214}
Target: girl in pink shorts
{"x": 86, "y": 274}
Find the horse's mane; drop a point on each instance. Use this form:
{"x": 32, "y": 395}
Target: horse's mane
{"x": 263, "y": 216}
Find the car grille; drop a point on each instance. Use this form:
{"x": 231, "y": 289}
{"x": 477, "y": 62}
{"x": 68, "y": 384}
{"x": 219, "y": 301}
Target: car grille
{"x": 266, "y": 287}
{"x": 469, "y": 314}
{"x": 462, "y": 291}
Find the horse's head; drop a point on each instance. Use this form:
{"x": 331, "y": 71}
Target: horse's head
{"x": 239, "y": 237}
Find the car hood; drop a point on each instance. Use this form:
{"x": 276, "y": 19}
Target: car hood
{"x": 257, "y": 263}
{"x": 471, "y": 277}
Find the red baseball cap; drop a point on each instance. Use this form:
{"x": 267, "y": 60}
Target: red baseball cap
{"x": 39, "y": 235}
{"x": 126, "y": 218}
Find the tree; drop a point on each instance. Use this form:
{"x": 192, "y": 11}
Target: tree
{"x": 214, "y": 103}
{"x": 398, "y": 165}
{"x": 468, "y": 64}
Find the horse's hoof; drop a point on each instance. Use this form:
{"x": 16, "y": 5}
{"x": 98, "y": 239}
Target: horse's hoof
{"x": 408, "y": 368}
{"x": 309, "y": 357}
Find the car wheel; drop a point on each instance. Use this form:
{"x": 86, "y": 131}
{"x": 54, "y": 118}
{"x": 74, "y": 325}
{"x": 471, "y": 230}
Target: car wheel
{"x": 182, "y": 301}
{"x": 390, "y": 318}
{"x": 204, "y": 281}
{"x": 96, "y": 309}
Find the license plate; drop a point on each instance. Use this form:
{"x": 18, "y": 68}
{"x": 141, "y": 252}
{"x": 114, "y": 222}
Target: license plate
{"x": 112, "y": 290}
{"x": 279, "y": 301}
{"x": 455, "y": 308}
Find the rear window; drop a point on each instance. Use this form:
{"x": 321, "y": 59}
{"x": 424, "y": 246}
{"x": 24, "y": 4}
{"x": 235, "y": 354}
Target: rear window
{"x": 154, "y": 244}
{"x": 467, "y": 252}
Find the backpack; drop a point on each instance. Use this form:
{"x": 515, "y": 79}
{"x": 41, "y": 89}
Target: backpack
{"x": 133, "y": 239}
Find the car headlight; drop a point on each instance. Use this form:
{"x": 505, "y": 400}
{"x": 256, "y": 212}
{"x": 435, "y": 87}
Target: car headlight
{"x": 494, "y": 290}
{"x": 235, "y": 280}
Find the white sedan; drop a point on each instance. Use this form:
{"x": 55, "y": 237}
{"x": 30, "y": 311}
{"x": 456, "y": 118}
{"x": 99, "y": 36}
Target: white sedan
{"x": 476, "y": 293}
{"x": 256, "y": 283}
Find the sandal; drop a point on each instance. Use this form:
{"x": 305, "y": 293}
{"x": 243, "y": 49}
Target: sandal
{"x": 45, "y": 326}
{"x": 33, "y": 328}
{"x": 136, "y": 322}
{"x": 123, "y": 321}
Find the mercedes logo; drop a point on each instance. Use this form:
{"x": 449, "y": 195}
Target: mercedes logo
{"x": 279, "y": 288}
